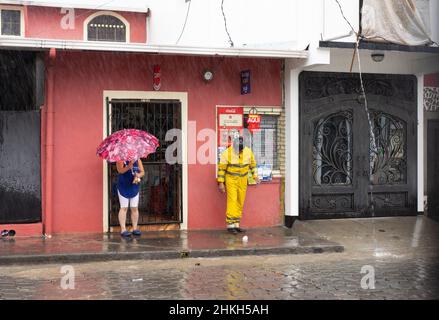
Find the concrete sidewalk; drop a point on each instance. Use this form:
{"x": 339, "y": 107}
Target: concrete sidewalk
{"x": 161, "y": 245}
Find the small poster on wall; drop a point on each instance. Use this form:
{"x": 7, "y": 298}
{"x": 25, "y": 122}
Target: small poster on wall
{"x": 230, "y": 123}
{"x": 265, "y": 172}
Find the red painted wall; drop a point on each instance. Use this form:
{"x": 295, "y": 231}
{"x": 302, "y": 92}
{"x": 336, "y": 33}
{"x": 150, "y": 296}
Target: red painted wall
{"x": 45, "y": 23}
{"x": 431, "y": 80}
{"x": 81, "y": 78}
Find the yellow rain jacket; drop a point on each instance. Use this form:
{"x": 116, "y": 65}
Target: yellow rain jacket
{"x": 233, "y": 169}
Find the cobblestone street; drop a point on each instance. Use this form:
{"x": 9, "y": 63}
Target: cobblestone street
{"x": 326, "y": 276}
{"x": 403, "y": 253}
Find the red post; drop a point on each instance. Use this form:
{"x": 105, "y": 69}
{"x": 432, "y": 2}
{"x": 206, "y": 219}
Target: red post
{"x": 48, "y": 214}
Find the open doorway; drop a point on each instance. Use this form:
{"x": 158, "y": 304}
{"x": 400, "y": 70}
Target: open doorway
{"x": 21, "y": 95}
{"x": 160, "y": 205}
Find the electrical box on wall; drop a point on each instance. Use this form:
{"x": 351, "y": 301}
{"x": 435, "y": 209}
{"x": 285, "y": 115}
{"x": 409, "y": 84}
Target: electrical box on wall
{"x": 245, "y": 82}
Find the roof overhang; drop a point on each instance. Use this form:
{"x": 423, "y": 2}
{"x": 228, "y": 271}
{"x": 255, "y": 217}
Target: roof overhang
{"x": 26, "y": 43}
{"x": 398, "y": 59}
{"x": 80, "y": 4}
{"x": 378, "y": 46}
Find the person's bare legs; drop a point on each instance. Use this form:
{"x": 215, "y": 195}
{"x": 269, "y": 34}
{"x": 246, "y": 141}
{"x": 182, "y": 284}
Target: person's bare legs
{"x": 123, "y": 219}
{"x": 135, "y": 217}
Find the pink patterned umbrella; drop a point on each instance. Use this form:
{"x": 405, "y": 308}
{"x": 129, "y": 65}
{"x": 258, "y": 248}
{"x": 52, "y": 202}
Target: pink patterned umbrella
{"x": 127, "y": 145}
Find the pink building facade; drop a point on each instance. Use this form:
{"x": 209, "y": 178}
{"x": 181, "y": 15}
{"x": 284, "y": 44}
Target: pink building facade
{"x": 76, "y": 88}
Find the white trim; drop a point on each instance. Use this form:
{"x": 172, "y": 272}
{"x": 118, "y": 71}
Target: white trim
{"x": 420, "y": 151}
{"x": 275, "y": 111}
{"x": 107, "y": 13}
{"x": 292, "y": 139}
{"x": 15, "y": 8}
{"x": 158, "y": 49}
{"x": 78, "y": 5}
{"x": 183, "y": 98}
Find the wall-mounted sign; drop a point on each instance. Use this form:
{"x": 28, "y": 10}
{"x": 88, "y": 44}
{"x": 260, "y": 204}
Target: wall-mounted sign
{"x": 230, "y": 124}
{"x": 157, "y": 78}
{"x": 265, "y": 172}
{"x": 253, "y": 122}
{"x": 245, "y": 82}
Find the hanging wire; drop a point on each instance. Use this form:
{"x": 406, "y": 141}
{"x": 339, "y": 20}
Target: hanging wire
{"x": 363, "y": 92}
{"x": 185, "y": 21}
{"x": 225, "y": 23}
{"x": 344, "y": 17}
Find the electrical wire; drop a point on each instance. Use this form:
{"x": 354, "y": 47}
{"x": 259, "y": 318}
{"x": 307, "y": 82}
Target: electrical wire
{"x": 344, "y": 17}
{"x": 225, "y": 23}
{"x": 363, "y": 93}
{"x": 185, "y": 21}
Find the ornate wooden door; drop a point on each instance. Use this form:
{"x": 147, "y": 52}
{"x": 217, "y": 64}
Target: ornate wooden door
{"x": 355, "y": 163}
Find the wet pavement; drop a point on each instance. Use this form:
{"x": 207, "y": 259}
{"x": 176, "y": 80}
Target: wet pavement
{"x": 402, "y": 252}
{"x": 161, "y": 245}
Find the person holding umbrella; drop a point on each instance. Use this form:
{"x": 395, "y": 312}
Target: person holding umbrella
{"x": 126, "y": 147}
{"x": 128, "y": 181}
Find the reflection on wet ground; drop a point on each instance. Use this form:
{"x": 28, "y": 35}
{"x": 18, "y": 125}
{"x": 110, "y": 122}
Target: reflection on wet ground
{"x": 161, "y": 245}
{"x": 403, "y": 253}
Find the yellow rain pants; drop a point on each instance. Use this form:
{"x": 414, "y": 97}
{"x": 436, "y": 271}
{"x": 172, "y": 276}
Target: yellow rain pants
{"x": 233, "y": 169}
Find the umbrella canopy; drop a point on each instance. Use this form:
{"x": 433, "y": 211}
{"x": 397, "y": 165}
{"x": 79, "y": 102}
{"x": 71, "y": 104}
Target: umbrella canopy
{"x": 127, "y": 145}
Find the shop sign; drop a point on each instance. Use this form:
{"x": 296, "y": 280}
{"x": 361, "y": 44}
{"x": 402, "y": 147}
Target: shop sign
{"x": 253, "y": 122}
{"x": 230, "y": 125}
{"x": 230, "y": 122}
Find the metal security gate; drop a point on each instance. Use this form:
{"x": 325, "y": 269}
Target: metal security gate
{"x": 161, "y": 188}
{"x": 346, "y": 171}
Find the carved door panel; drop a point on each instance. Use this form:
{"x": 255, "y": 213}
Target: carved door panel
{"x": 392, "y": 183}
{"x": 353, "y": 163}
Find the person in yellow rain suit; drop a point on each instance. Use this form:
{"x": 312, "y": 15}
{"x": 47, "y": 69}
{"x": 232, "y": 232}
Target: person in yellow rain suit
{"x": 233, "y": 169}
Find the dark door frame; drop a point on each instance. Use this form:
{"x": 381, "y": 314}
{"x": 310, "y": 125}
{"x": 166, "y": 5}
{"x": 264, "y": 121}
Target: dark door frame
{"x": 432, "y": 144}
{"x": 109, "y": 103}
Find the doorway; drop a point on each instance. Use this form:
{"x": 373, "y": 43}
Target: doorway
{"x": 21, "y": 95}
{"x": 161, "y": 188}
{"x": 346, "y": 171}
{"x": 433, "y": 169}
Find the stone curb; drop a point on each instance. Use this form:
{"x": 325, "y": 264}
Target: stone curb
{"x": 65, "y": 258}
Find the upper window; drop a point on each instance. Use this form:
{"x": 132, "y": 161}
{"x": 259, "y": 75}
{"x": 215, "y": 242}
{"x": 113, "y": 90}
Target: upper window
{"x": 107, "y": 27}
{"x": 10, "y": 21}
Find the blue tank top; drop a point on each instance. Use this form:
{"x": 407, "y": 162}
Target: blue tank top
{"x": 125, "y": 184}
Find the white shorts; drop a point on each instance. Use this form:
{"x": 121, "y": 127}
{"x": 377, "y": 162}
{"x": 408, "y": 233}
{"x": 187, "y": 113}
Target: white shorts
{"x": 131, "y": 202}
